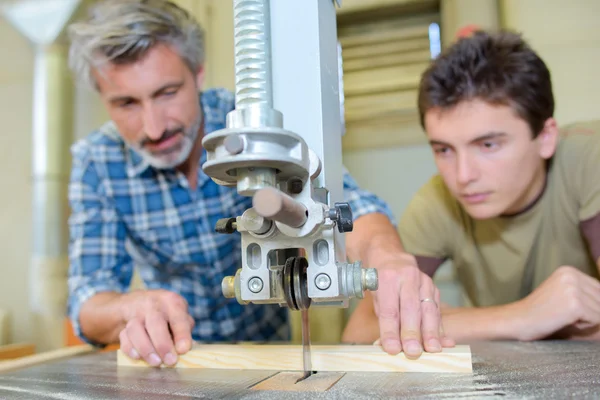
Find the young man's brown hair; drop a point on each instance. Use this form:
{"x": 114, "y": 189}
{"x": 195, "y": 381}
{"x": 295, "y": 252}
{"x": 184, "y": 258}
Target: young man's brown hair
{"x": 499, "y": 68}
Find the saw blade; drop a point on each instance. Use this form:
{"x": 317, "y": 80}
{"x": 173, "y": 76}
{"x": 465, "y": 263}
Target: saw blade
{"x": 305, "y": 346}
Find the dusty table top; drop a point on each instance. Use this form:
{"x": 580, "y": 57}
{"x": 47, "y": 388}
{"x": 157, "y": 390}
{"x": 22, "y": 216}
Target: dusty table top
{"x": 545, "y": 370}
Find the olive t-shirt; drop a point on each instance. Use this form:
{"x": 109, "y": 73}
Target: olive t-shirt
{"x": 503, "y": 259}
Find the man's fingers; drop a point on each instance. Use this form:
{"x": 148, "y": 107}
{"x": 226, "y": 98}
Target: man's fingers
{"x": 140, "y": 341}
{"x": 126, "y": 347}
{"x": 181, "y": 329}
{"x": 158, "y": 330}
{"x": 388, "y": 311}
{"x": 410, "y": 311}
{"x": 180, "y": 322}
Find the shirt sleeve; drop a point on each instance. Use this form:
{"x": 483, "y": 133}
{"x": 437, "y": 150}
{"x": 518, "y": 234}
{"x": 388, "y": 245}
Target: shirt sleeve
{"x": 425, "y": 226}
{"x": 589, "y": 171}
{"x": 97, "y": 255}
{"x": 363, "y": 202}
{"x": 589, "y": 186}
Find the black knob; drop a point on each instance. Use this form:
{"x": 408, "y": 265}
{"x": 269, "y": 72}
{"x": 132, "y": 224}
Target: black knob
{"x": 226, "y": 225}
{"x": 342, "y": 215}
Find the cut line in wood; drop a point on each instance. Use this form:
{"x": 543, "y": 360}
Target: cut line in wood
{"x": 328, "y": 358}
{"x": 286, "y": 381}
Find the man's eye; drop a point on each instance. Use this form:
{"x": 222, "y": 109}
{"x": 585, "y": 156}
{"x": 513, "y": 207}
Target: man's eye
{"x": 124, "y": 104}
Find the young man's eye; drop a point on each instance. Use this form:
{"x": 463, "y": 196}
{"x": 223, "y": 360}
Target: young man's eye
{"x": 490, "y": 145}
{"x": 441, "y": 150}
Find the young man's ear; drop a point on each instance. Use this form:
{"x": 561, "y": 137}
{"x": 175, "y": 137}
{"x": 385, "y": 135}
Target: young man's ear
{"x": 548, "y": 138}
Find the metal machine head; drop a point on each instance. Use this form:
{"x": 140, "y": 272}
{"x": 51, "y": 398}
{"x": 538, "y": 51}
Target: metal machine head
{"x": 292, "y": 237}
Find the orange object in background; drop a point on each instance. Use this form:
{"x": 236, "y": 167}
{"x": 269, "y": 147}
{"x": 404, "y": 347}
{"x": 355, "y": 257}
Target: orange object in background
{"x": 467, "y": 31}
{"x": 72, "y": 340}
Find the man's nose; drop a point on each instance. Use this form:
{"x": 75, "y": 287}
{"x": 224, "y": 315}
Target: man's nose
{"x": 466, "y": 170}
{"x": 154, "y": 123}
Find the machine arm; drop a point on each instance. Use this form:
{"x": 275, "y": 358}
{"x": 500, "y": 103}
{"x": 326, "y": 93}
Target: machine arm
{"x": 282, "y": 146}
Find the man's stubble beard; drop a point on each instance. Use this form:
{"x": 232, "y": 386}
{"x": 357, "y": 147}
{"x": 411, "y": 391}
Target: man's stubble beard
{"x": 179, "y": 155}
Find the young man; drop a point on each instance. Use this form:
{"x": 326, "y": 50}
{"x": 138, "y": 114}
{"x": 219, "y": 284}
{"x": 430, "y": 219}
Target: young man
{"x": 140, "y": 199}
{"x": 516, "y": 204}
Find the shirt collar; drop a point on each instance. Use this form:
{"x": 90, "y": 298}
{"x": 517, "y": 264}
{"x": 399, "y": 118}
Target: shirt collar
{"x": 136, "y": 164}
{"x": 202, "y": 177}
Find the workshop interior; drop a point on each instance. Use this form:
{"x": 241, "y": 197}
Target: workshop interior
{"x": 384, "y": 47}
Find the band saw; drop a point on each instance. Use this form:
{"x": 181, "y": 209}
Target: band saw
{"x": 282, "y": 146}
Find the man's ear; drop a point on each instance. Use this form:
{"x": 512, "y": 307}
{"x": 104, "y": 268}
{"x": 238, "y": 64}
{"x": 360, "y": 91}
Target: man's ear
{"x": 200, "y": 77}
{"x": 548, "y": 138}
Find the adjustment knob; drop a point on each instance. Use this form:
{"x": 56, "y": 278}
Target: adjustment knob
{"x": 341, "y": 214}
{"x": 226, "y": 225}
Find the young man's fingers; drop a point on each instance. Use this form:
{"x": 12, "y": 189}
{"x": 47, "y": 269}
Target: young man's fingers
{"x": 590, "y": 306}
{"x": 140, "y": 341}
{"x": 388, "y": 310}
{"x": 410, "y": 312}
{"x": 430, "y": 320}
{"x": 158, "y": 330}
{"x": 445, "y": 340}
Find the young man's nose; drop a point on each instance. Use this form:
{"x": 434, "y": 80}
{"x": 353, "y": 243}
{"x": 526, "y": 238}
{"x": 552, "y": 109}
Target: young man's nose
{"x": 466, "y": 170}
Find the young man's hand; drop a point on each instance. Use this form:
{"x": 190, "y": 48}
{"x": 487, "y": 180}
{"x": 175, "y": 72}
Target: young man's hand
{"x": 407, "y": 304}
{"x": 568, "y": 300}
{"x": 158, "y": 326}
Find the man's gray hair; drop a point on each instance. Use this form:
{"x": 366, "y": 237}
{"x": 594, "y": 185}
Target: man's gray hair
{"x": 122, "y": 32}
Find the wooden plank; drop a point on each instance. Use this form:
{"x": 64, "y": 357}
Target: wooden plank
{"x": 286, "y": 381}
{"x": 383, "y": 48}
{"x": 328, "y": 358}
{"x": 383, "y": 9}
{"x": 365, "y": 35}
{"x": 44, "y": 357}
{"x": 405, "y": 77}
{"x": 376, "y": 103}
{"x": 387, "y": 60}
{"x": 10, "y": 351}
{"x": 387, "y": 133}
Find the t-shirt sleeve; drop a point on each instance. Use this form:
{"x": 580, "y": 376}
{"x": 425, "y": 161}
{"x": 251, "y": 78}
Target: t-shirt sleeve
{"x": 589, "y": 178}
{"x": 588, "y": 184}
{"x": 426, "y": 225}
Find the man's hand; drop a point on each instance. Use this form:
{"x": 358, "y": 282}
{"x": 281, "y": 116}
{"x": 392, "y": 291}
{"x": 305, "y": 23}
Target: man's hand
{"x": 158, "y": 326}
{"x": 407, "y": 305}
{"x": 568, "y": 299}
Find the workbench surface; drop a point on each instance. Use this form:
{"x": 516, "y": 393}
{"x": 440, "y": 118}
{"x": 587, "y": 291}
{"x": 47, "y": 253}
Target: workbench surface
{"x": 545, "y": 370}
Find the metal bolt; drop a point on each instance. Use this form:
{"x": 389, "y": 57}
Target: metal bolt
{"x": 234, "y": 144}
{"x": 255, "y": 284}
{"x": 228, "y": 287}
{"x": 295, "y": 186}
{"x": 323, "y": 281}
{"x": 370, "y": 279}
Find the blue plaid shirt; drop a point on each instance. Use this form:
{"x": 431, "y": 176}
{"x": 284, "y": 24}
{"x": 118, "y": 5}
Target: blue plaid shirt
{"x": 127, "y": 214}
